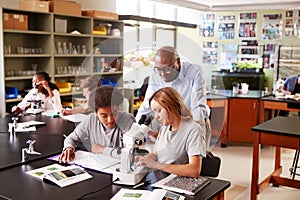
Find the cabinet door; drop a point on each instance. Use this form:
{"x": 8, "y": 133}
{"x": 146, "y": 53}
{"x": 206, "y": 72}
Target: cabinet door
{"x": 243, "y": 115}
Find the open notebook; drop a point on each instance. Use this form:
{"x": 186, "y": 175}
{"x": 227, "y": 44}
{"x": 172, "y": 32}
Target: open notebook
{"x": 182, "y": 184}
{"x": 97, "y": 162}
{"x": 60, "y": 175}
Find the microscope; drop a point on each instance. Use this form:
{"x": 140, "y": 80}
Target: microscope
{"x": 128, "y": 173}
{"x": 35, "y": 103}
{"x": 13, "y": 127}
{"x": 30, "y": 150}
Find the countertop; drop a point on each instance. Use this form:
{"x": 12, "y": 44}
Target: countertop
{"x": 219, "y": 94}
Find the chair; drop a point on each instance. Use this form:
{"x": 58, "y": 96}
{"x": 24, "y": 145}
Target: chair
{"x": 210, "y": 165}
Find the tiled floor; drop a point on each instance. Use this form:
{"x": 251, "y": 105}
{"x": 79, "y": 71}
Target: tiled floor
{"x": 236, "y": 166}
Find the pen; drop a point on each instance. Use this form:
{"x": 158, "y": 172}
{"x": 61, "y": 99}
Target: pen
{"x": 141, "y": 184}
{"x": 106, "y": 167}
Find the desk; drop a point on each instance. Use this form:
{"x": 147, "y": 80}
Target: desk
{"x": 218, "y": 116}
{"x": 55, "y": 125}
{"x": 49, "y": 139}
{"x": 16, "y": 184}
{"x": 11, "y": 147}
{"x": 236, "y": 125}
{"x": 273, "y": 103}
{"x": 279, "y": 132}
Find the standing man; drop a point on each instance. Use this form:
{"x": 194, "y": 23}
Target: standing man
{"x": 185, "y": 77}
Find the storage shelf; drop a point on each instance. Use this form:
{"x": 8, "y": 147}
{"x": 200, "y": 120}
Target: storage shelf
{"x": 71, "y": 75}
{"x": 107, "y": 55}
{"x": 16, "y": 78}
{"x": 72, "y": 35}
{"x": 27, "y": 55}
{"x": 108, "y": 73}
{"x": 108, "y": 37}
{"x": 41, "y": 35}
{"x": 13, "y": 100}
{"x": 27, "y": 32}
{"x": 71, "y": 55}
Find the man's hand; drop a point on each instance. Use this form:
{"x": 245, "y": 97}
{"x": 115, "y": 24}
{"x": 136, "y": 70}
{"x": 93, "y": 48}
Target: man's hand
{"x": 67, "y": 155}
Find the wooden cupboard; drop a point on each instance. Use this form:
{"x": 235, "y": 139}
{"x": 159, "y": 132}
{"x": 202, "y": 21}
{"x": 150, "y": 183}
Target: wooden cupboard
{"x": 242, "y": 116}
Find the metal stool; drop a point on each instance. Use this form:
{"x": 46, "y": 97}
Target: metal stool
{"x": 294, "y": 167}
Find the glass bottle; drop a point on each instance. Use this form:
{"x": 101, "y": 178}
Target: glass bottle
{"x": 59, "y": 48}
{"x": 83, "y": 49}
{"x": 74, "y": 51}
{"x": 78, "y": 49}
{"x": 65, "y": 49}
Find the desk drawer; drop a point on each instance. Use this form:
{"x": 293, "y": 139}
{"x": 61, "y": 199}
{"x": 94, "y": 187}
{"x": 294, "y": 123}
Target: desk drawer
{"x": 280, "y": 141}
{"x": 275, "y": 105}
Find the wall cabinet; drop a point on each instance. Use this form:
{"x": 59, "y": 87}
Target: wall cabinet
{"x": 242, "y": 116}
{"x": 67, "y": 47}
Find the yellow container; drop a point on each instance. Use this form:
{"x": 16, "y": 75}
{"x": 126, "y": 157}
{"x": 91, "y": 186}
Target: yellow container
{"x": 64, "y": 87}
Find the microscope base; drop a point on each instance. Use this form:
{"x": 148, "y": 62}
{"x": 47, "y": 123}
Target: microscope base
{"x": 34, "y": 111}
{"x": 131, "y": 178}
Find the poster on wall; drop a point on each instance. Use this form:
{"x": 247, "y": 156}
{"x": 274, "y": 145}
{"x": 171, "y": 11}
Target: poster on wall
{"x": 226, "y": 27}
{"x": 292, "y": 22}
{"x": 268, "y": 56}
{"x": 228, "y": 56}
{"x": 272, "y": 27}
{"x": 247, "y": 25}
{"x": 210, "y": 53}
{"x": 207, "y": 25}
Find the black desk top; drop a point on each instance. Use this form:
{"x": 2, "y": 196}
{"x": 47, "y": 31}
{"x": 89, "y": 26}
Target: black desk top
{"x": 280, "y": 125}
{"x": 53, "y": 125}
{"x": 11, "y": 147}
{"x": 49, "y": 139}
{"x": 276, "y": 99}
{"x": 16, "y": 184}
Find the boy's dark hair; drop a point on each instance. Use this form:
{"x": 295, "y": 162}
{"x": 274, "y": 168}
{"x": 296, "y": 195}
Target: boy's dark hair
{"x": 107, "y": 96}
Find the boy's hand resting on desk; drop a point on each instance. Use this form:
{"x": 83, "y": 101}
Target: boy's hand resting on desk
{"x": 67, "y": 155}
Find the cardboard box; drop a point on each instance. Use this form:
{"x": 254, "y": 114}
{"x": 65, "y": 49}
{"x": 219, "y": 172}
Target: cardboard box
{"x": 20, "y": 22}
{"x": 65, "y": 8}
{"x": 100, "y": 14}
{"x": 60, "y": 25}
{"x": 8, "y": 21}
{"x": 42, "y": 6}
